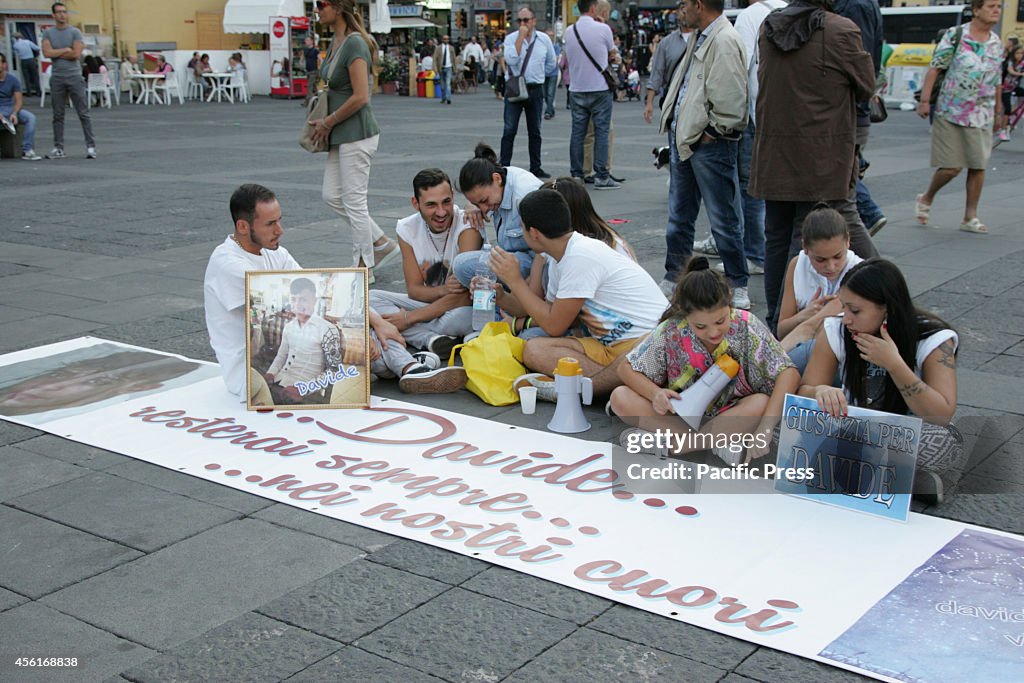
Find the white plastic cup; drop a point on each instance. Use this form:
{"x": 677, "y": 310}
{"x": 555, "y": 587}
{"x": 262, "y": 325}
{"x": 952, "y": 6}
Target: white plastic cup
{"x": 528, "y": 400}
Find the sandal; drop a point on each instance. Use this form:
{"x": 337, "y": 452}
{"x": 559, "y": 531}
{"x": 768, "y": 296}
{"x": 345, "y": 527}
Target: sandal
{"x": 921, "y": 210}
{"x": 974, "y": 225}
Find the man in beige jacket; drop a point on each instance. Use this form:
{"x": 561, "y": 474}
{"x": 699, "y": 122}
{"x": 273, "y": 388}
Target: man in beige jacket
{"x": 705, "y": 112}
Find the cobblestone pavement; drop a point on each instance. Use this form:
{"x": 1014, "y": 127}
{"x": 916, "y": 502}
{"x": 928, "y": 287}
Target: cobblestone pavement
{"x": 116, "y": 248}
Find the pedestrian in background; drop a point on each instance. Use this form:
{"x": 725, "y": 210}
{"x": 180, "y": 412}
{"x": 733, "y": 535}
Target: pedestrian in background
{"x": 966, "y": 109}
{"x": 351, "y": 131}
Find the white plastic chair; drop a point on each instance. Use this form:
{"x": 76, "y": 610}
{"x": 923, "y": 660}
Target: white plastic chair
{"x": 97, "y": 85}
{"x": 237, "y": 87}
{"x": 196, "y": 87}
{"x": 170, "y": 86}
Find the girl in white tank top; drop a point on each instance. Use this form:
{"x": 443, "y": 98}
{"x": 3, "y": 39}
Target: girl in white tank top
{"x": 812, "y": 281}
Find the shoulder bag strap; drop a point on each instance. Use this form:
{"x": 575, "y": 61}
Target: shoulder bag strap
{"x": 526, "y": 58}
{"x": 585, "y": 50}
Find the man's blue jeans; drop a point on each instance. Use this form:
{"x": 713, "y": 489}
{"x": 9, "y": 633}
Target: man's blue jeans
{"x": 586, "y": 106}
{"x": 550, "y": 87}
{"x": 753, "y": 209}
{"x": 534, "y": 108}
{"x": 27, "y": 119}
{"x": 446, "y": 84}
{"x": 710, "y": 174}
{"x": 869, "y": 211}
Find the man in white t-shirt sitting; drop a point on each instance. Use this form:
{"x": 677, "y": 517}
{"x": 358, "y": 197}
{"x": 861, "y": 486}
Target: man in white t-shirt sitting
{"x": 255, "y": 246}
{"x": 437, "y": 311}
{"x": 615, "y": 300}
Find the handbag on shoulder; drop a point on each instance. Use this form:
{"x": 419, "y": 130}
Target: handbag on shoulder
{"x": 515, "y": 86}
{"x": 315, "y": 110}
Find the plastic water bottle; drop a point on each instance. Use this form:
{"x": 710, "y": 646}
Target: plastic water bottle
{"x": 483, "y": 290}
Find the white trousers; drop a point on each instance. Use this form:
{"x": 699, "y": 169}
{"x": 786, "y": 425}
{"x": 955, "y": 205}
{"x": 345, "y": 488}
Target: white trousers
{"x": 346, "y": 183}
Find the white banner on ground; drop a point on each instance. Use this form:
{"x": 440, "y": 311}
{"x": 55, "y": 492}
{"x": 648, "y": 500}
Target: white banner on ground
{"x": 812, "y": 580}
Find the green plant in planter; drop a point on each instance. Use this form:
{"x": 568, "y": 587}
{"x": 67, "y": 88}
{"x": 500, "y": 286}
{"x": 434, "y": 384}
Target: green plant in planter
{"x": 390, "y": 70}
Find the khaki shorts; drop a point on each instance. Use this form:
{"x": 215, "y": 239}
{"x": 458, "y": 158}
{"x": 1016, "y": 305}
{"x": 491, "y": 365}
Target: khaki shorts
{"x": 956, "y": 146}
{"x": 604, "y": 355}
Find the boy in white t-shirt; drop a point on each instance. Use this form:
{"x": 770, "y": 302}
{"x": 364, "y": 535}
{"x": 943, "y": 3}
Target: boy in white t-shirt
{"x": 255, "y": 245}
{"x": 437, "y": 312}
{"x": 615, "y": 299}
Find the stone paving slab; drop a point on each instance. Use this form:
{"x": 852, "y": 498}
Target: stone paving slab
{"x": 9, "y": 599}
{"x": 37, "y": 630}
{"x": 770, "y": 666}
{"x": 132, "y": 514}
{"x": 249, "y": 649}
{"x": 353, "y": 601}
{"x": 429, "y": 561}
{"x": 464, "y": 636}
{"x": 41, "y": 556}
{"x": 11, "y": 433}
{"x": 169, "y": 597}
{"x": 588, "y": 656}
{"x": 189, "y": 486}
{"x": 25, "y": 472}
{"x": 672, "y": 636}
{"x": 552, "y": 599}
{"x": 73, "y": 452}
{"x": 353, "y": 664}
{"x": 43, "y": 329}
{"x": 354, "y": 535}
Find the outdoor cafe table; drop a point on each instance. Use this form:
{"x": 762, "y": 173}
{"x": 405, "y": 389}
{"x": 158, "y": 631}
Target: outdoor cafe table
{"x": 219, "y": 80}
{"x": 148, "y": 83}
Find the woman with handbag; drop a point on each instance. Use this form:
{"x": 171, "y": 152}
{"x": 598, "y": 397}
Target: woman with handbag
{"x": 350, "y": 130}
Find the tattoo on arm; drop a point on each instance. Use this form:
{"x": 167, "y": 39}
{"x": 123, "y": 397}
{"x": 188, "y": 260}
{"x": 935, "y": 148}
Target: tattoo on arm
{"x": 948, "y": 357}
{"x": 908, "y": 390}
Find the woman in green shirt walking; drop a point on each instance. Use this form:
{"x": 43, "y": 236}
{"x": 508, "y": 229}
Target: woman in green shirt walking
{"x": 351, "y": 130}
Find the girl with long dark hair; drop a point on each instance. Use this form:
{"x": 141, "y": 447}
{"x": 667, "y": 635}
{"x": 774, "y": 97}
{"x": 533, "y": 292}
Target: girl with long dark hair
{"x": 891, "y": 357}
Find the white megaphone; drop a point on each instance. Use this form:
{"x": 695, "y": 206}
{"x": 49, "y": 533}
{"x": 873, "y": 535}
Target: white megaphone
{"x": 692, "y": 403}
{"x": 570, "y": 384}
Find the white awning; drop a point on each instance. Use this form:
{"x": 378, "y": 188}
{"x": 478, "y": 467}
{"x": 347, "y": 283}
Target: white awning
{"x": 253, "y": 16}
{"x": 410, "y": 22}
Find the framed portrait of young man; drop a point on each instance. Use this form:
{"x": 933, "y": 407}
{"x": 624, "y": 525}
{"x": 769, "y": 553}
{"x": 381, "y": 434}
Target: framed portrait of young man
{"x": 307, "y": 339}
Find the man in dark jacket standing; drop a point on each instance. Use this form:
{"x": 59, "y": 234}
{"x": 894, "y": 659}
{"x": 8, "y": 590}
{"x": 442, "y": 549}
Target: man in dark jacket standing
{"x": 868, "y": 17}
{"x": 805, "y": 146}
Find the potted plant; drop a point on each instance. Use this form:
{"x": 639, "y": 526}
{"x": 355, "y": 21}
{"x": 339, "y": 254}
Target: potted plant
{"x": 389, "y": 75}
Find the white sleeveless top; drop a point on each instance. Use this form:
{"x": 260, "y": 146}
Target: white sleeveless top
{"x": 834, "y": 333}
{"x": 806, "y": 279}
{"x": 428, "y": 247}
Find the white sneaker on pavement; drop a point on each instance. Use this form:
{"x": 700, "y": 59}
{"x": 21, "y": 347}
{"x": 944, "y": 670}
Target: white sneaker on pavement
{"x": 740, "y": 298}
{"x": 30, "y": 155}
{"x": 90, "y": 152}
{"x": 752, "y": 268}
{"x": 706, "y": 247}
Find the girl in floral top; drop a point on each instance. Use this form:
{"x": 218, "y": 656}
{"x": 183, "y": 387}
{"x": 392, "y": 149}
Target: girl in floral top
{"x": 965, "y": 109}
{"x": 698, "y": 328}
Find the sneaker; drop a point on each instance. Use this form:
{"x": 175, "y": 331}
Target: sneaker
{"x": 442, "y": 345}
{"x": 706, "y": 247}
{"x": 752, "y": 268}
{"x": 545, "y": 385}
{"x": 605, "y": 184}
{"x": 8, "y": 125}
{"x": 382, "y": 255}
{"x": 30, "y": 155}
{"x": 427, "y": 359}
{"x": 1004, "y": 135}
{"x": 541, "y": 173}
{"x": 422, "y": 380}
{"x": 667, "y": 287}
{"x": 877, "y": 225}
{"x": 740, "y": 298}
{"x": 588, "y": 180}
{"x": 56, "y": 153}
{"x": 90, "y": 152}
{"x": 928, "y": 487}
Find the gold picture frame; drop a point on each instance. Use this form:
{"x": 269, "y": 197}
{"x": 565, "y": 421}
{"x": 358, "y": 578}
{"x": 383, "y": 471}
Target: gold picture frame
{"x": 307, "y": 338}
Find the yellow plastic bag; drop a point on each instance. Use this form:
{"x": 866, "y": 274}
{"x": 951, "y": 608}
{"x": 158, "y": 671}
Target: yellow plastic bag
{"x": 492, "y": 361}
